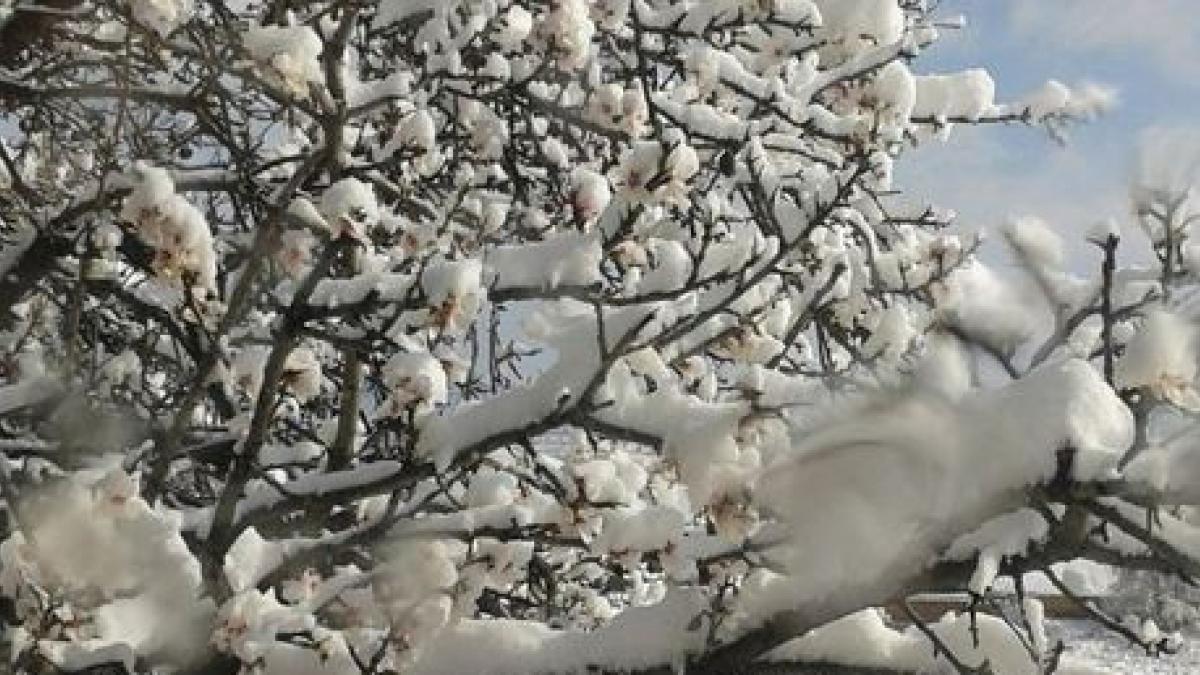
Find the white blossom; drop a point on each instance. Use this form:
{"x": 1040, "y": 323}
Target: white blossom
{"x": 302, "y": 374}
{"x": 287, "y": 56}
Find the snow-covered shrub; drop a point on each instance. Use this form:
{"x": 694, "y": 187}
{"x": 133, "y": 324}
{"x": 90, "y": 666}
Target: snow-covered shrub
{"x": 503, "y": 336}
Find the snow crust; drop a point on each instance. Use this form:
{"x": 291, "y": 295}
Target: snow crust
{"x": 865, "y": 640}
{"x": 909, "y": 472}
{"x": 638, "y": 638}
{"x": 968, "y": 95}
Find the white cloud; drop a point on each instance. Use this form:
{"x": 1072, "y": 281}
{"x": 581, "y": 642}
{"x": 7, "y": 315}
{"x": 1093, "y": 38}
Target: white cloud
{"x": 989, "y": 179}
{"x": 1169, "y": 158}
{"x": 1168, "y": 31}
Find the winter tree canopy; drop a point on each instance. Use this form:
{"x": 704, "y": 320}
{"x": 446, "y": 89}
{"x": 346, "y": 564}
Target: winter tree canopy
{"x": 514, "y": 336}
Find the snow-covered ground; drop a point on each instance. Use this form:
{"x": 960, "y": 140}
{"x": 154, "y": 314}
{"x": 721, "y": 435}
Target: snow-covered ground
{"x": 865, "y": 642}
{"x": 1091, "y": 645}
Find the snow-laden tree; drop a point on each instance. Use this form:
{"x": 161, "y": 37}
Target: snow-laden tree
{"x": 454, "y": 336}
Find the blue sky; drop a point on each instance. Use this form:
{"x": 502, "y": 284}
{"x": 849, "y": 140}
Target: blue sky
{"x": 1149, "y": 50}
